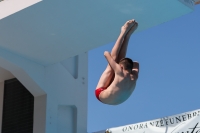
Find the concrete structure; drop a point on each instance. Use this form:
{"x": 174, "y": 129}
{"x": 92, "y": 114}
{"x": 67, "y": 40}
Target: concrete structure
{"x": 44, "y": 45}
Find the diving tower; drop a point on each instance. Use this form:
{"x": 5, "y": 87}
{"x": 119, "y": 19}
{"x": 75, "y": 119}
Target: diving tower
{"x": 44, "y": 45}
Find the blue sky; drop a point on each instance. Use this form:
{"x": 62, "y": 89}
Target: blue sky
{"x": 168, "y": 84}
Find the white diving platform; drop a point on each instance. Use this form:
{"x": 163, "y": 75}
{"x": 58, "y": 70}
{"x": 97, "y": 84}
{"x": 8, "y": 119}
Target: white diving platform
{"x": 50, "y": 31}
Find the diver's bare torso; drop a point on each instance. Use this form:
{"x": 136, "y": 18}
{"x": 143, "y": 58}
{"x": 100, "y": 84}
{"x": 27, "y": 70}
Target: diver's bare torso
{"x": 120, "y": 89}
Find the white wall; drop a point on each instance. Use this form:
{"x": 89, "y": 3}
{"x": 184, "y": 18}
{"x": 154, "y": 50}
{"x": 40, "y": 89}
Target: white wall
{"x": 56, "y": 91}
{"x": 66, "y": 91}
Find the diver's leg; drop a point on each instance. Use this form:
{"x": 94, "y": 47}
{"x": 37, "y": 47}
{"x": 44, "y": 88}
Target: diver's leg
{"x": 108, "y": 75}
{"x": 122, "y": 53}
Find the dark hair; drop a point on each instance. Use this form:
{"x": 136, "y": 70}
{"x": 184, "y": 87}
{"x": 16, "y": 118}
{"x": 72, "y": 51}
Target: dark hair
{"x": 127, "y": 63}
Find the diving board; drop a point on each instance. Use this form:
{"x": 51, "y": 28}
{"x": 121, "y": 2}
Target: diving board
{"x": 49, "y": 31}
{"x": 188, "y": 122}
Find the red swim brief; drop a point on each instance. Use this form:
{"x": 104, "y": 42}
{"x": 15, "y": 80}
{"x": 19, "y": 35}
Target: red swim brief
{"x": 98, "y": 91}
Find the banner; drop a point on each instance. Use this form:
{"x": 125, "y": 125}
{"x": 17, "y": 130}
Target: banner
{"x": 188, "y": 122}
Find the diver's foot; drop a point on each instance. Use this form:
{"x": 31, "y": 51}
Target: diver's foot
{"x": 127, "y": 26}
{"x": 132, "y": 29}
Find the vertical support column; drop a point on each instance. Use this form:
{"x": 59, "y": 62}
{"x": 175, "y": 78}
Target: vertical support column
{"x": 39, "y": 114}
{"x": 67, "y": 89}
